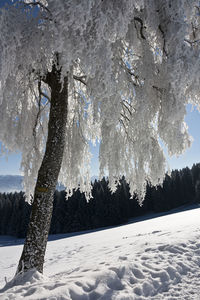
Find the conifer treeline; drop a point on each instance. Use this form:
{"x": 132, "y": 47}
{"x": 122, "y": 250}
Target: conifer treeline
{"x": 105, "y": 208}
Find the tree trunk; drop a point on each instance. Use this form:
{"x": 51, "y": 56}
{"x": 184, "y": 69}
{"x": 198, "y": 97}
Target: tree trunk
{"x": 38, "y": 229}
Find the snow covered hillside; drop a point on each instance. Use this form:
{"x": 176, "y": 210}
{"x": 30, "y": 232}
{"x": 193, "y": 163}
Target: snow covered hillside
{"x": 153, "y": 259}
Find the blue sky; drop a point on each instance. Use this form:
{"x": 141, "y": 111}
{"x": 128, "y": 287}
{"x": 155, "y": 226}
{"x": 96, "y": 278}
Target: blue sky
{"x": 192, "y": 155}
{"x": 11, "y": 164}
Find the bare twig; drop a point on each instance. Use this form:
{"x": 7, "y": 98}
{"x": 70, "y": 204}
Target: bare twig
{"x": 137, "y": 82}
{"x": 80, "y": 78}
{"x": 194, "y": 29}
{"x": 45, "y": 95}
{"x": 129, "y": 72}
{"x": 37, "y": 3}
{"x": 125, "y": 117}
{"x": 124, "y": 105}
{"x": 192, "y": 42}
{"x": 40, "y": 109}
{"x": 137, "y": 19}
{"x": 164, "y": 41}
{"x": 198, "y": 8}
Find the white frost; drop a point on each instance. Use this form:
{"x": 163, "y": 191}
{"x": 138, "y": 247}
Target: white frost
{"x": 140, "y": 62}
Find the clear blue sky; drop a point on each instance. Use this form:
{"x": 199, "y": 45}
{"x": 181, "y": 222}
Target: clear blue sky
{"x": 11, "y": 165}
{"x": 192, "y": 155}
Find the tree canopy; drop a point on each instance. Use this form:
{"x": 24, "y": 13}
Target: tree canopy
{"x": 132, "y": 67}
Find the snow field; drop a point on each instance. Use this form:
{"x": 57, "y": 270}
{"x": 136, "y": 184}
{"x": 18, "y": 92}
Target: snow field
{"x": 154, "y": 259}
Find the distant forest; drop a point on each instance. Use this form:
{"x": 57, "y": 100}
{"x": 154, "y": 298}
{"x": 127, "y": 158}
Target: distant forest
{"x": 105, "y": 208}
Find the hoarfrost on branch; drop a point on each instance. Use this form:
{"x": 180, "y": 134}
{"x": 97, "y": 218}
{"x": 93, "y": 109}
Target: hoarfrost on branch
{"x": 132, "y": 65}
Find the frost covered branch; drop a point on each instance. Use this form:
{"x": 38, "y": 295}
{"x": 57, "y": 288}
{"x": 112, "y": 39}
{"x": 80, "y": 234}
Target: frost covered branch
{"x": 139, "y": 69}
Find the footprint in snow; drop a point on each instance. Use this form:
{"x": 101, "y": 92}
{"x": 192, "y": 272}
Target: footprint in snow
{"x": 156, "y": 231}
{"x": 122, "y": 257}
{"x": 137, "y": 273}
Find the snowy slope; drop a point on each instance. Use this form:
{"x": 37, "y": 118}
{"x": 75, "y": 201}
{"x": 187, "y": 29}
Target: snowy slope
{"x": 154, "y": 259}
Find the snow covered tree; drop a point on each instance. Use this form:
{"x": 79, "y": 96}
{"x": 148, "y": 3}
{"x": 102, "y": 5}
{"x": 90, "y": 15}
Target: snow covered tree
{"x": 74, "y": 72}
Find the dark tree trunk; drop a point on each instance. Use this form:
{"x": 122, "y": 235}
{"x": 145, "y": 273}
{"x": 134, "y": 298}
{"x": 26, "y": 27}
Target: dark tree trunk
{"x": 38, "y": 229}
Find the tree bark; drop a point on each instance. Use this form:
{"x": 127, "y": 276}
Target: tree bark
{"x": 37, "y": 235}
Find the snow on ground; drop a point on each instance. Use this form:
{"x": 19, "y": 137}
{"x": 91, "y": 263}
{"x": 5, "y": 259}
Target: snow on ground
{"x": 153, "y": 259}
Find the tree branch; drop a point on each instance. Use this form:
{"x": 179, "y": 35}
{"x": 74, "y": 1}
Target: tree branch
{"x": 80, "y": 78}
{"x": 137, "y": 19}
{"x": 164, "y": 41}
{"x": 191, "y": 42}
{"x": 136, "y": 83}
{"x": 125, "y": 117}
{"x": 46, "y": 96}
{"x": 38, "y": 4}
{"x": 129, "y": 109}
